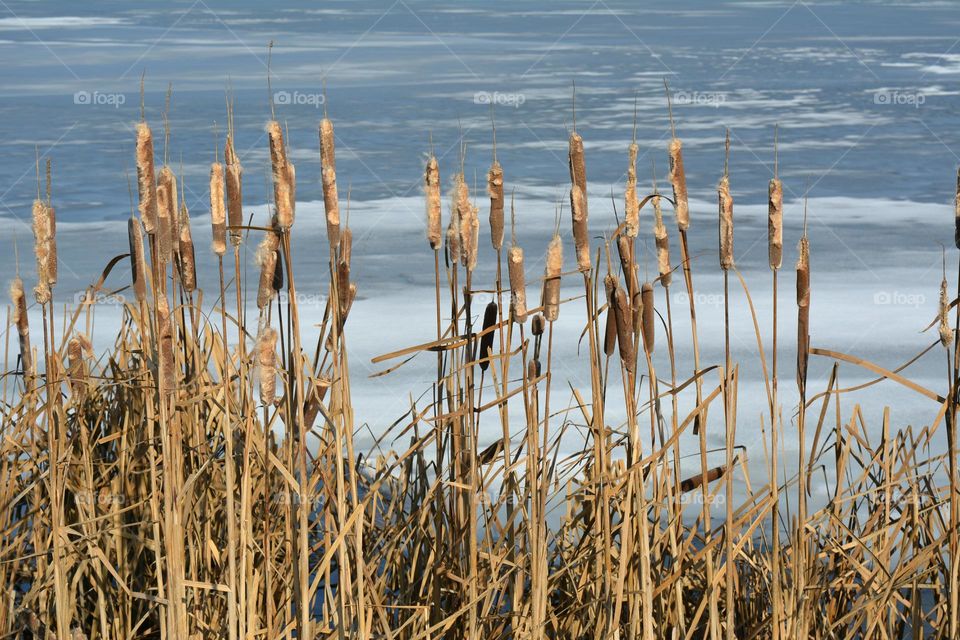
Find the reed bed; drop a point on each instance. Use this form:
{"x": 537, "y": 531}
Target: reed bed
{"x": 200, "y": 479}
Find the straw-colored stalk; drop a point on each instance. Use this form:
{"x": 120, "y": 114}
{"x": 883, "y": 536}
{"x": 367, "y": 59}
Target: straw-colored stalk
{"x": 20, "y": 319}
{"x": 803, "y": 310}
{"x": 946, "y": 331}
{"x": 678, "y": 179}
{"x": 218, "y": 216}
{"x": 518, "y": 288}
{"x": 648, "y": 315}
{"x": 581, "y": 234}
{"x": 663, "y": 244}
{"x": 188, "y": 266}
{"x": 138, "y": 264}
{"x": 632, "y": 204}
{"x": 431, "y": 187}
{"x": 146, "y": 178}
{"x": 166, "y": 213}
{"x": 624, "y": 328}
{"x": 266, "y": 258}
{"x": 328, "y": 173}
{"x": 775, "y": 223}
{"x": 267, "y": 363}
{"x": 495, "y": 191}
{"x": 44, "y": 249}
{"x": 726, "y": 223}
{"x": 551, "y": 279}
{"x": 234, "y": 183}
{"x": 282, "y": 176}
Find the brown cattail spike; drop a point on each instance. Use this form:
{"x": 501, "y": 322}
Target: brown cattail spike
{"x": 188, "y": 267}
{"x": 266, "y": 258}
{"x": 632, "y": 204}
{"x": 328, "y": 170}
{"x": 726, "y": 213}
{"x": 218, "y": 216}
{"x": 518, "y": 289}
{"x": 267, "y": 364}
{"x": 495, "y": 191}
{"x": 166, "y": 213}
{"x": 775, "y": 210}
{"x": 282, "y": 176}
{"x": 234, "y": 184}
{"x": 610, "y": 330}
{"x": 551, "y": 279}
{"x": 146, "y": 179}
{"x": 486, "y": 340}
{"x": 803, "y": 311}
{"x": 165, "y": 338}
{"x": 581, "y": 233}
{"x": 624, "y": 320}
{"x": 138, "y": 268}
{"x": 431, "y": 187}
{"x": 946, "y": 331}
{"x": 42, "y": 232}
{"x": 663, "y": 243}
{"x": 469, "y": 223}
{"x": 648, "y": 312}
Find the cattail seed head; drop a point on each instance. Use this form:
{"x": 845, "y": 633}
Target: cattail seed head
{"x": 726, "y": 223}
{"x": 663, "y": 245}
{"x": 946, "y": 331}
{"x": 581, "y": 233}
{"x": 218, "y": 214}
{"x": 578, "y": 167}
{"x": 188, "y": 267}
{"x": 678, "y": 180}
{"x": 234, "y": 184}
{"x": 648, "y": 312}
{"x": 537, "y": 325}
{"x": 775, "y": 223}
{"x": 166, "y": 212}
{"x": 632, "y": 204}
{"x": 43, "y": 249}
{"x": 328, "y": 169}
{"x": 533, "y": 369}
{"x": 431, "y": 187}
{"x": 803, "y": 312}
{"x": 803, "y": 273}
{"x": 610, "y": 330}
{"x": 267, "y": 364}
{"x": 518, "y": 289}
{"x": 551, "y": 279}
{"x": 495, "y": 191}
{"x": 19, "y": 301}
{"x": 168, "y": 373}
{"x": 146, "y": 179}
{"x": 266, "y": 258}
{"x": 343, "y": 286}
{"x": 138, "y": 264}
{"x": 453, "y": 242}
{"x": 282, "y": 176}
{"x": 469, "y": 223}
{"x": 624, "y": 321}
{"x": 486, "y": 340}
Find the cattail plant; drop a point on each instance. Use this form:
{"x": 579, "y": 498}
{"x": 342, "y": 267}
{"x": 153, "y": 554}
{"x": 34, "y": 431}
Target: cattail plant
{"x": 581, "y": 234}
{"x": 632, "y": 204}
{"x": 775, "y": 223}
{"x": 218, "y": 219}
{"x": 495, "y": 191}
{"x": 624, "y": 320}
{"x": 283, "y": 177}
{"x": 234, "y": 184}
{"x": 468, "y": 221}
{"x": 946, "y": 331}
{"x": 486, "y": 340}
{"x": 518, "y": 290}
{"x": 726, "y": 214}
{"x": 20, "y": 319}
{"x": 165, "y": 339}
{"x": 610, "y": 329}
{"x": 77, "y": 347}
{"x": 146, "y": 178}
{"x": 803, "y": 310}
{"x": 188, "y": 267}
{"x": 551, "y": 279}
{"x": 453, "y": 241}
{"x": 266, "y": 258}
{"x": 648, "y": 314}
{"x": 662, "y": 242}
{"x": 267, "y": 365}
{"x": 166, "y": 213}
{"x": 44, "y": 249}
{"x": 138, "y": 264}
{"x": 431, "y": 187}
{"x": 328, "y": 169}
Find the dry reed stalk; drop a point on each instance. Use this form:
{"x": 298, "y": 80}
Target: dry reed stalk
{"x": 803, "y": 310}
{"x": 328, "y": 169}
{"x": 495, "y": 191}
{"x": 726, "y": 223}
{"x": 218, "y": 215}
{"x": 775, "y": 223}
{"x": 581, "y": 234}
{"x": 188, "y": 265}
{"x": 20, "y": 319}
{"x": 632, "y": 204}
{"x": 138, "y": 264}
{"x": 282, "y": 177}
{"x": 234, "y": 184}
{"x": 146, "y": 178}
{"x": 44, "y": 249}
{"x": 678, "y": 179}
{"x": 166, "y": 213}
{"x": 518, "y": 288}
{"x": 663, "y": 245}
{"x": 946, "y": 331}
{"x": 431, "y": 186}
{"x": 648, "y": 316}
{"x": 551, "y": 279}
{"x": 266, "y": 258}
{"x": 267, "y": 364}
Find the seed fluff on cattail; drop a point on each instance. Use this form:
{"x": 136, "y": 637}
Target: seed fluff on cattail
{"x": 43, "y": 249}
{"x": 20, "y": 319}
{"x": 218, "y": 219}
{"x": 266, "y": 258}
{"x": 518, "y": 287}
{"x": 138, "y": 265}
{"x": 495, "y": 191}
{"x": 431, "y": 187}
{"x": 166, "y": 212}
{"x": 662, "y": 239}
{"x": 551, "y": 279}
{"x": 328, "y": 172}
{"x": 726, "y": 212}
{"x": 282, "y": 176}
{"x": 946, "y": 331}
{"x": 267, "y": 365}
{"x": 678, "y": 178}
{"x": 188, "y": 267}
{"x": 146, "y": 179}
{"x": 775, "y": 213}
{"x": 632, "y": 203}
{"x": 234, "y": 189}
{"x": 581, "y": 233}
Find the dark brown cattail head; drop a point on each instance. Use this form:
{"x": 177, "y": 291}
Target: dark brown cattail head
{"x": 431, "y": 187}
{"x": 551, "y": 279}
{"x": 726, "y": 223}
{"x": 188, "y": 266}
{"x": 328, "y": 174}
{"x": 537, "y": 325}
{"x": 266, "y": 258}
{"x": 663, "y": 244}
{"x": 486, "y": 340}
{"x": 166, "y": 212}
{"x": 533, "y": 369}
{"x": 495, "y": 191}
{"x": 138, "y": 264}
{"x": 581, "y": 232}
{"x": 218, "y": 215}
{"x": 343, "y": 286}
{"x": 610, "y": 332}
{"x": 234, "y": 184}
{"x": 267, "y": 365}
{"x": 775, "y": 223}
{"x": 803, "y": 312}
{"x": 648, "y": 313}
{"x": 518, "y": 287}
{"x": 146, "y": 179}
{"x": 632, "y": 204}
{"x": 678, "y": 179}
{"x": 346, "y": 245}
